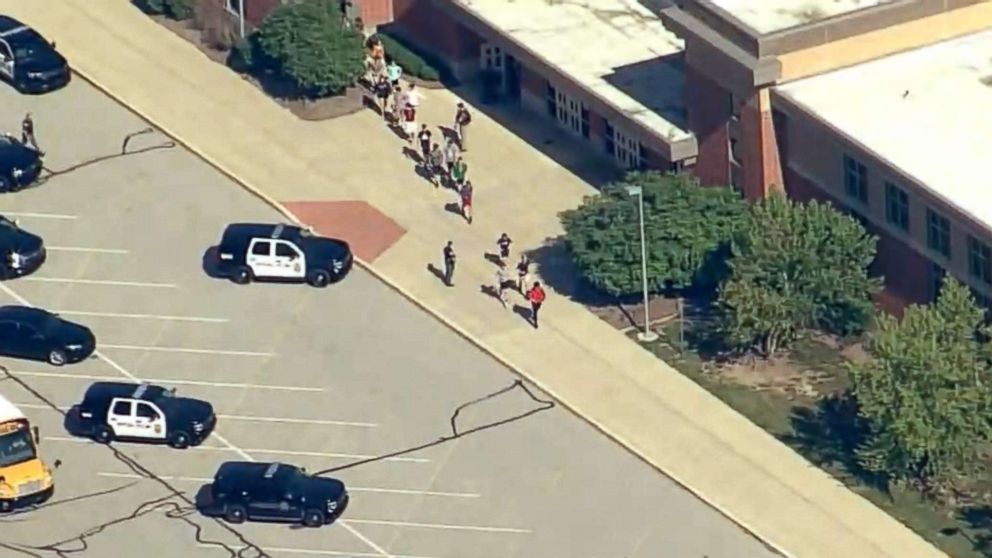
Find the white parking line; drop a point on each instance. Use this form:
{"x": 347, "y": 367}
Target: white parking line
{"x": 264, "y": 451}
{"x": 184, "y": 350}
{"x": 124, "y": 372}
{"x": 443, "y": 526}
{"x": 167, "y": 381}
{"x": 85, "y": 250}
{"x": 39, "y": 215}
{"x": 99, "y": 282}
{"x": 314, "y": 552}
{"x": 142, "y": 316}
{"x": 375, "y": 490}
{"x": 238, "y": 417}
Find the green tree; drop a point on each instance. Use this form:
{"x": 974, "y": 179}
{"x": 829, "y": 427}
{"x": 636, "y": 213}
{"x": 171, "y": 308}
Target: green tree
{"x": 925, "y": 392}
{"x": 310, "y": 44}
{"x": 796, "y": 267}
{"x": 685, "y": 227}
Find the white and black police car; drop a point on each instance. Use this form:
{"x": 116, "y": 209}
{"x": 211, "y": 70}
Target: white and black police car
{"x": 28, "y": 61}
{"x": 250, "y": 251}
{"x": 142, "y": 413}
{"x": 243, "y": 490}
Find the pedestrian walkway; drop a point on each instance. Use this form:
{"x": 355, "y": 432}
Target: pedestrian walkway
{"x": 586, "y": 364}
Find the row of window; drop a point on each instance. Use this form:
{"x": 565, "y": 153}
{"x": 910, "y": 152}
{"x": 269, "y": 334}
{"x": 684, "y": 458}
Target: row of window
{"x": 574, "y": 116}
{"x": 938, "y": 227}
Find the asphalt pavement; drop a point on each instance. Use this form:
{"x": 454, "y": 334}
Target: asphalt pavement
{"x": 445, "y": 452}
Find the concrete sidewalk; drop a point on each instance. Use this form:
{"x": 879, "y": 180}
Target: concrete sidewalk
{"x": 586, "y": 364}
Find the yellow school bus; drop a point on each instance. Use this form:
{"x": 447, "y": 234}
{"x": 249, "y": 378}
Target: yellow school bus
{"x": 24, "y": 478}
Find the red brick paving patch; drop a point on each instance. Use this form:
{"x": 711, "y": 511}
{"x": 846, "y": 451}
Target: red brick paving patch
{"x": 365, "y": 228}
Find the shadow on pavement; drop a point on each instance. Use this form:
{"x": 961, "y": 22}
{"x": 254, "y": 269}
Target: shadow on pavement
{"x": 553, "y": 263}
{"x": 436, "y": 272}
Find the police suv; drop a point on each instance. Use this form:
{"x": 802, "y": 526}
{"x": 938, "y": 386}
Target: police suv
{"x": 28, "y": 61}
{"x": 250, "y": 251}
{"x": 143, "y": 413}
{"x": 19, "y": 164}
{"x": 272, "y": 492}
{"x": 21, "y": 252}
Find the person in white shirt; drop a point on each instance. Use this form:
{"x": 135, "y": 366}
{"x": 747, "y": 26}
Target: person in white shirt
{"x": 413, "y": 96}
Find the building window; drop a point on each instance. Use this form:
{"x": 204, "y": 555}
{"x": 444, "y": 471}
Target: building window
{"x": 608, "y": 142}
{"x": 937, "y": 274}
{"x": 572, "y": 114}
{"x": 979, "y": 256}
{"x": 585, "y": 122}
{"x": 938, "y": 233}
{"x": 623, "y": 149}
{"x": 896, "y": 206}
{"x": 855, "y": 179}
{"x": 233, "y": 6}
{"x": 552, "y": 101}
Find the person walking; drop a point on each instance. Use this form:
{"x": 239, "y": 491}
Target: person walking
{"x": 382, "y": 92}
{"x": 449, "y": 264}
{"x": 399, "y": 102}
{"x": 536, "y": 298}
{"x": 501, "y": 280}
{"x": 409, "y": 123}
{"x": 458, "y": 173}
{"x": 466, "y": 195}
{"x": 503, "y": 243}
{"x": 462, "y": 119}
{"x": 451, "y": 154}
{"x": 435, "y": 165}
{"x": 393, "y": 73}
{"x": 27, "y": 133}
{"x": 413, "y": 96}
{"x": 424, "y": 137}
{"x": 523, "y": 271}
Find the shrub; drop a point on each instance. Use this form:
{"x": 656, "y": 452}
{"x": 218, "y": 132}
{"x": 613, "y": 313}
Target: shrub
{"x": 309, "y": 44}
{"x": 411, "y": 62}
{"x": 153, "y": 6}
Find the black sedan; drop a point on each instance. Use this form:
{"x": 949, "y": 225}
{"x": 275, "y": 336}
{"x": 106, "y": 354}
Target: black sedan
{"x": 21, "y": 252}
{"x": 28, "y": 61}
{"x": 19, "y": 164}
{"x": 35, "y": 334}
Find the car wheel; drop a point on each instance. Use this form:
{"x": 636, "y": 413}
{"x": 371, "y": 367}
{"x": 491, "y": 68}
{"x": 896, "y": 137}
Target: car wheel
{"x": 6, "y": 184}
{"x": 179, "y": 440}
{"x": 103, "y": 434}
{"x": 56, "y": 357}
{"x": 6, "y": 506}
{"x": 318, "y": 278}
{"x": 313, "y": 518}
{"x": 235, "y": 514}
{"x": 241, "y": 275}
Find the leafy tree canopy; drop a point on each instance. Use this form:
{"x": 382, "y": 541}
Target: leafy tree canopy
{"x": 926, "y": 392}
{"x": 685, "y": 228}
{"x": 309, "y": 43}
{"x": 794, "y": 267}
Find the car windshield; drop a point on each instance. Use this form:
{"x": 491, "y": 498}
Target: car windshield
{"x": 16, "y": 447}
{"x": 7, "y": 223}
{"x": 28, "y": 45}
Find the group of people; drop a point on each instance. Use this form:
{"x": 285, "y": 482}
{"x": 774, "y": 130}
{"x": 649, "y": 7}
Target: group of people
{"x": 534, "y": 294}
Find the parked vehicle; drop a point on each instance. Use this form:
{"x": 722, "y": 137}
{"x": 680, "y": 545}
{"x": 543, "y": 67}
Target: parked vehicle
{"x": 281, "y": 253}
{"x": 24, "y": 478}
{"x": 21, "y": 252}
{"x": 20, "y": 165}
{"x": 35, "y": 334}
{"x": 28, "y": 61}
{"x": 243, "y": 490}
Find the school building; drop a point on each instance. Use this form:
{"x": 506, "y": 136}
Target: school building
{"x": 881, "y": 107}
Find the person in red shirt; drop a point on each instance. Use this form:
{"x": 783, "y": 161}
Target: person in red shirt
{"x": 536, "y": 297}
{"x": 466, "y": 196}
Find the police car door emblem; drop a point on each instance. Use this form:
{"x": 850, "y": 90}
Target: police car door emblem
{"x": 296, "y": 267}
{"x": 158, "y": 428}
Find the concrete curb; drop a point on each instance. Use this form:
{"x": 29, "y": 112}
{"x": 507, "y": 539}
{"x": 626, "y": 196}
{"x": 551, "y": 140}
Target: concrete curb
{"x": 481, "y": 345}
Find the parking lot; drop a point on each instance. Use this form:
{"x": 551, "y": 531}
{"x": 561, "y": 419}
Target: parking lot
{"x": 444, "y": 453}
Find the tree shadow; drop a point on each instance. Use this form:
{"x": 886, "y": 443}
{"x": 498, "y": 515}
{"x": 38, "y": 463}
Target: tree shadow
{"x": 554, "y": 264}
{"x": 830, "y": 434}
{"x": 703, "y": 328}
{"x": 978, "y": 518}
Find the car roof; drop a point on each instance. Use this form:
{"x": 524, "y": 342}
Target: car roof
{"x": 254, "y": 230}
{"x": 25, "y": 313}
{"x": 9, "y": 24}
{"x": 110, "y": 390}
{"x": 240, "y": 472}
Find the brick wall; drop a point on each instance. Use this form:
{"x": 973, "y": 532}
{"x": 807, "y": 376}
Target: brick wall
{"x": 375, "y": 12}
{"x": 256, "y": 10}
{"x": 759, "y": 148}
{"x": 435, "y": 31}
{"x": 708, "y": 109}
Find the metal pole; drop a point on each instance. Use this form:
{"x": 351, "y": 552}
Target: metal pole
{"x": 681, "y": 324}
{"x": 647, "y": 334}
{"x": 241, "y": 17}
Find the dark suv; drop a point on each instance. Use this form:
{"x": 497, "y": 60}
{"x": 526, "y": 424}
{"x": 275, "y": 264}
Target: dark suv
{"x": 250, "y": 251}
{"x": 272, "y": 492}
{"x": 19, "y": 164}
{"x": 21, "y": 252}
{"x": 28, "y": 61}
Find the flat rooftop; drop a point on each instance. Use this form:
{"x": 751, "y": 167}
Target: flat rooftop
{"x": 769, "y": 16}
{"x": 927, "y": 112}
{"x": 618, "y": 49}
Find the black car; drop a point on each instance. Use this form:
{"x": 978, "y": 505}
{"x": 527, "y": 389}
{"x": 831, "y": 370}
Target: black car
{"x": 142, "y": 413}
{"x": 21, "y": 252}
{"x": 28, "y": 61}
{"x": 33, "y": 333}
{"x": 282, "y": 253}
{"x": 19, "y": 164}
{"x": 273, "y": 492}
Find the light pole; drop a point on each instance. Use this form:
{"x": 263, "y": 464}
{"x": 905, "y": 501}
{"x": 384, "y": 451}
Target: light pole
{"x": 647, "y": 335}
